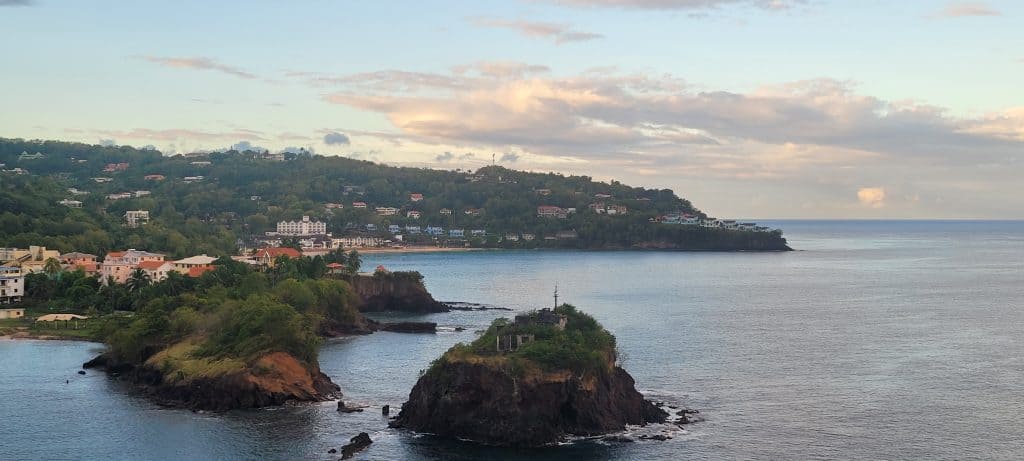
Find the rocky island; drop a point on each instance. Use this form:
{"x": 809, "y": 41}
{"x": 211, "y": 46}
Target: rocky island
{"x": 532, "y": 381}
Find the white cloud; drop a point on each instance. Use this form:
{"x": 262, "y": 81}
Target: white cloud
{"x": 961, "y": 10}
{"x": 873, "y": 197}
{"x": 558, "y": 33}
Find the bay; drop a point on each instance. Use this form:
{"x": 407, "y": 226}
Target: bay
{"x": 878, "y": 339}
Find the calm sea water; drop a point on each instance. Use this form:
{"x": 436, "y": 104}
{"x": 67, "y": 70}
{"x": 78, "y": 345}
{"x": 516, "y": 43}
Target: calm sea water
{"x": 893, "y": 340}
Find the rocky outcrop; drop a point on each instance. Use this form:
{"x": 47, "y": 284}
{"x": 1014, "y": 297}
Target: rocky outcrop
{"x": 394, "y": 292}
{"x": 476, "y": 401}
{"x": 355, "y": 445}
{"x": 274, "y": 379}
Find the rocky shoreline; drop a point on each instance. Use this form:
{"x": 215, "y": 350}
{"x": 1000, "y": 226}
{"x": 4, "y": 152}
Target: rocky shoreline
{"x": 275, "y": 379}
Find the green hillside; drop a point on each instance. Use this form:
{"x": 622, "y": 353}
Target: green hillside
{"x": 242, "y": 195}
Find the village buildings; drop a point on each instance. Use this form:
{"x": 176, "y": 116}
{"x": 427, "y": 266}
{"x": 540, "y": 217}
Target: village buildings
{"x": 118, "y": 265}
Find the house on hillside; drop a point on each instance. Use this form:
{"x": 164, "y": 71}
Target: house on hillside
{"x": 415, "y": 197}
{"x": 74, "y": 261}
{"x": 12, "y": 285}
{"x": 118, "y": 265}
{"x": 266, "y": 256}
{"x": 135, "y": 218}
{"x": 156, "y": 270}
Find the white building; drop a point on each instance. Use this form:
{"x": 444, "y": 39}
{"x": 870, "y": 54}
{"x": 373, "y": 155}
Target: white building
{"x": 12, "y": 285}
{"x": 305, "y": 226}
{"x": 386, "y": 211}
{"x": 133, "y": 218}
{"x": 71, "y": 203}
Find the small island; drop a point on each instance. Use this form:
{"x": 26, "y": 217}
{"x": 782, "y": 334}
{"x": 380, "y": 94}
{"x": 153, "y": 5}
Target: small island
{"x": 237, "y": 337}
{"x": 532, "y": 381}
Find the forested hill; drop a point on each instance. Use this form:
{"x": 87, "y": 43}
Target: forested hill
{"x": 242, "y": 194}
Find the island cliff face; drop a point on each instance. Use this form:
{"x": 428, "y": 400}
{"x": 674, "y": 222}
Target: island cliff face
{"x": 549, "y": 375}
{"x": 394, "y": 291}
{"x": 480, "y": 403}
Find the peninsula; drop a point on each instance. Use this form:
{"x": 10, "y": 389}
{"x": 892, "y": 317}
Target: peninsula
{"x": 532, "y": 381}
{"x": 92, "y": 198}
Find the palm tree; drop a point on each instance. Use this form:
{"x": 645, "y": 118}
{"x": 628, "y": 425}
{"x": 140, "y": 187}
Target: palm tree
{"x": 51, "y": 267}
{"x": 353, "y": 263}
{"x": 138, "y": 280}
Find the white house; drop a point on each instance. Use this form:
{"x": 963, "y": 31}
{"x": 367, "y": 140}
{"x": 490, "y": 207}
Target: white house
{"x": 12, "y": 285}
{"x": 71, "y": 203}
{"x": 386, "y": 211}
{"x": 133, "y": 218}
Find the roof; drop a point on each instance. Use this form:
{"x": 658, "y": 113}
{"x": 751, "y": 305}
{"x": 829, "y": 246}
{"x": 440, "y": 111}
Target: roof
{"x": 278, "y": 251}
{"x": 77, "y": 255}
{"x": 116, "y": 254}
{"x": 335, "y": 266}
{"x": 151, "y": 265}
{"x": 55, "y": 317}
{"x": 200, "y": 259}
{"x": 197, "y": 271}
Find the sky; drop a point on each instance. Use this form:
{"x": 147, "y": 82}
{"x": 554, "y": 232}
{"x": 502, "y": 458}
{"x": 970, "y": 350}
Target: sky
{"x": 748, "y": 108}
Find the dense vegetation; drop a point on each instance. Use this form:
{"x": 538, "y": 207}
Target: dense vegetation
{"x": 241, "y": 196}
{"x": 221, "y": 321}
{"x": 584, "y": 346}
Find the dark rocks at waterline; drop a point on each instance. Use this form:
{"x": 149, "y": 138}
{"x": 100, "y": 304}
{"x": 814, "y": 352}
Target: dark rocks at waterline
{"x": 332, "y": 451}
{"x": 658, "y": 437}
{"x": 617, "y": 439}
{"x": 355, "y": 445}
{"x": 347, "y": 409}
{"x": 464, "y": 306}
{"x": 385, "y": 410}
{"x": 409, "y": 327}
{"x": 81, "y": 372}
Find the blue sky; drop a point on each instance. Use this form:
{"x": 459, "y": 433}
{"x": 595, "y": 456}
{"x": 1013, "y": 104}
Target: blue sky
{"x": 750, "y": 108}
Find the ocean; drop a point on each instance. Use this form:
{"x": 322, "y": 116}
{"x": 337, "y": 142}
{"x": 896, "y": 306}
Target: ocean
{"x": 876, "y": 339}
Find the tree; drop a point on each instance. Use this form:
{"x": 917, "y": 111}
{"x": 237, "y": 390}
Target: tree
{"x": 353, "y": 262}
{"x": 51, "y": 267}
{"x": 138, "y": 280}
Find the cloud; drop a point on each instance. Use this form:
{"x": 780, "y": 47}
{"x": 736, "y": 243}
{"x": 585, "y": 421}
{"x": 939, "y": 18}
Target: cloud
{"x": 609, "y": 114}
{"x": 176, "y": 134}
{"x": 108, "y": 143}
{"x": 17, "y": 3}
{"x": 873, "y": 197}
{"x": 559, "y": 33}
{"x": 197, "y": 63}
{"x": 509, "y": 157}
{"x": 679, "y": 4}
{"x": 334, "y": 138}
{"x": 961, "y": 10}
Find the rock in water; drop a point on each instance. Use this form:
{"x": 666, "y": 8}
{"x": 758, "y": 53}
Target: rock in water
{"x": 530, "y": 395}
{"x": 355, "y": 445}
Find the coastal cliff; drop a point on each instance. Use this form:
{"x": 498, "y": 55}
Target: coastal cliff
{"x": 272, "y": 379}
{"x": 529, "y": 384}
{"x": 394, "y": 291}
{"x": 486, "y": 404}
